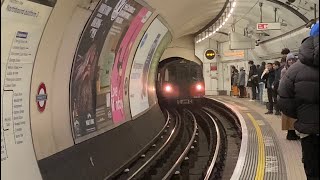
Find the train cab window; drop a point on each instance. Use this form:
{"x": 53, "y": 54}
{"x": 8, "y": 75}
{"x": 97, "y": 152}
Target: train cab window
{"x": 195, "y": 74}
{"x": 166, "y": 75}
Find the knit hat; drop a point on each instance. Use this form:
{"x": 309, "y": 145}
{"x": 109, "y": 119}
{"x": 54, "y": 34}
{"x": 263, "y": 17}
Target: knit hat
{"x": 315, "y": 30}
{"x": 290, "y": 56}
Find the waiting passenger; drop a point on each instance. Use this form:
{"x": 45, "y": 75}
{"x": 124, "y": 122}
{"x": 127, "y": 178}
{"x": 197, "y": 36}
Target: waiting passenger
{"x": 290, "y": 59}
{"x": 275, "y": 85}
{"x": 261, "y": 81}
{"x": 299, "y": 98}
{"x": 269, "y": 75}
{"x": 234, "y": 81}
{"x": 242, "y": 82}
{"x": 253, "y": 80}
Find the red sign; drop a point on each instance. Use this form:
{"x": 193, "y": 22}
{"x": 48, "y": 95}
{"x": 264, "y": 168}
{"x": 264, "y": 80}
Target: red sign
{"x": 41, "y": 97}
{"x": 213, "y": 66}
{"x": 268, "y": 26}
{"x": 262, "y": 26}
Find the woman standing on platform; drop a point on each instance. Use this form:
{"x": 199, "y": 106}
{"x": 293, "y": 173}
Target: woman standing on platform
{"x": 290, "y": 60}
{"x": 242, "y": 82}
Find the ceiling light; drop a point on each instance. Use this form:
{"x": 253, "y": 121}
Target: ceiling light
{"x": 210, "y": 34}
{"x": 229, "y": 15}
{"x": 220, "y": 26}
{"x": 231, "y": 10}
{"x": 234, "y": 4}
{"x": 223, "y": 23}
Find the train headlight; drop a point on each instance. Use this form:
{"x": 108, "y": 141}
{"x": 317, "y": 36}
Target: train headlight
{"x": 168, "y": 88}
{"x": 199, "y": 87}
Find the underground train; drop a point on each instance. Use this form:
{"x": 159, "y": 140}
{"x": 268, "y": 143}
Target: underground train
{"x": 180, "y": 81}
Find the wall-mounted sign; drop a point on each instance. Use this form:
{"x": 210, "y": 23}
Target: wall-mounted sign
{"x": 268, "y": 26}
{"x": 210, "y": 54}
{"x": 234, "y": 54}
{"x": 41, "y": 97}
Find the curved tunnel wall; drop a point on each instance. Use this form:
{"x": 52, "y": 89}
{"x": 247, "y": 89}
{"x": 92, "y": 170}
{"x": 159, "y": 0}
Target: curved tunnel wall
{"x": 56, "y": 145}
{"x": 183, "y": 47}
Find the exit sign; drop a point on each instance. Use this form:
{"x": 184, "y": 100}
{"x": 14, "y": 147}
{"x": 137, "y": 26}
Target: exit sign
{"x": 268, "y": 26}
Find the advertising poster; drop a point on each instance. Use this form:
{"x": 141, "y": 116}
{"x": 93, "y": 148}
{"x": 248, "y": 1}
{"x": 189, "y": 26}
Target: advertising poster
{"x": 138, "y": 88}
{"x": 152, "y": 95}
{"x": 94, "y": 60}
{"x": 22, "y": 25}
{"x": 118, "y": 80}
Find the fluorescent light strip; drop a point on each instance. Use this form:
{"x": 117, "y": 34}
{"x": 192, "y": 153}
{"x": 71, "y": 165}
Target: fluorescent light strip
{"x": 227, "y": 18}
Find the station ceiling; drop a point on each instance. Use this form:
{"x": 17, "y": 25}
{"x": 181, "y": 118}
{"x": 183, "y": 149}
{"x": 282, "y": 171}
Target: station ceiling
{"x": 186, "y": 17}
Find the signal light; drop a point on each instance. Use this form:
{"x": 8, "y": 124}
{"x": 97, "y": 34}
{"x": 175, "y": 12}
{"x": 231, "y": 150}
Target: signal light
{"x": 168, "y": 88}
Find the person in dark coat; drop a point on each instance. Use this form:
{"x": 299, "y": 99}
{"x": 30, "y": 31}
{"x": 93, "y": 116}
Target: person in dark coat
{"x": 261, "y": 82}
{"x": 253, "y": 79}
{"x": 234, "y": 80}
{"x": 290, "y": 60}
{"x": 275, "y": 85}
{"x": 242, "y": 82}
{"x": 269, "y": 76}
{"x": 299, "y": 98}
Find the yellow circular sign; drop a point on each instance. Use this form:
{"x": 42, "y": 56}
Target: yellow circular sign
{"x": 210, "y": 54}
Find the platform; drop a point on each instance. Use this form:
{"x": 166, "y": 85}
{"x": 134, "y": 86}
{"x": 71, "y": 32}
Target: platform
{"x": 268, "y": 155}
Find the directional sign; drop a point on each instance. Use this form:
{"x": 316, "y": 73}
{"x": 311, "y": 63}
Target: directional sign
{"x": 268, "y": 26}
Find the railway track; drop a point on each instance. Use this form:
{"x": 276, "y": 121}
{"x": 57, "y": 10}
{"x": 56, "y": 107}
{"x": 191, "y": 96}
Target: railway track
{"x": 191, "y": 145}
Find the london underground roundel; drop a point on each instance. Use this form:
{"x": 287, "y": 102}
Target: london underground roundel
{"x": 41, "y": 97}
{"x": 210, "y": 54}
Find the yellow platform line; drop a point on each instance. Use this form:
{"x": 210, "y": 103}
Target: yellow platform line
{"x": 261, "y": 154}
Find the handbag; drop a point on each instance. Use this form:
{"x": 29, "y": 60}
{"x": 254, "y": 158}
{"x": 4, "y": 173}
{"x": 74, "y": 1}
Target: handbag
{"x": 287, "y": 122}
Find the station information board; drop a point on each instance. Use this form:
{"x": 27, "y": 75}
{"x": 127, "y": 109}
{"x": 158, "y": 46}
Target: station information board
{"x": 22, "y": 24}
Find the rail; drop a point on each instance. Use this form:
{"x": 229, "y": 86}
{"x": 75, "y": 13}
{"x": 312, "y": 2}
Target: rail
{"x": 216, "y": 152}
{"x": 186, "y": 150}
{"x": 156, "y": 153}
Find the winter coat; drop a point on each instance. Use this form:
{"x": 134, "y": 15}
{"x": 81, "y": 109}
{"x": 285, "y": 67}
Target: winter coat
{"x": 235, "y": 76}
{"x": 277, "y": 74}
{"x": 242, "y": 78}
{"x": 299, "y": 88}
{"x": 269, "y": 77}
{"x": 260, "y": 70}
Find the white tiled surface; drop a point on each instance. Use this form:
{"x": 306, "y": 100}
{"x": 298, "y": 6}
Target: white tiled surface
{"x": 291, "y": 150}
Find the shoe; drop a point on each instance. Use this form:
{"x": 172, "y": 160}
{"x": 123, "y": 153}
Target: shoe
{"x": 277, "y": 113}
{"x": 292, "y": 136}
{"x": 269, "y": 112}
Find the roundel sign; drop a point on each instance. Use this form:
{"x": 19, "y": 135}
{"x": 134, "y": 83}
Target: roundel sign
{"x": 41, "y": 97}
{"x": 210, "y": 54}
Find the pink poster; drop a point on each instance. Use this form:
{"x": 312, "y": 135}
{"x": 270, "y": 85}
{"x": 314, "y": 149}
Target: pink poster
{"x": 120, "y": 64}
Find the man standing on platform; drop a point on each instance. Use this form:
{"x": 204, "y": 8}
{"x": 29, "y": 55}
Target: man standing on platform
{"x": 299, "y": 98}
{"x": 253, "y": 80}
{"x": 269, "y": 75}
{"x": 261, "y": 81}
